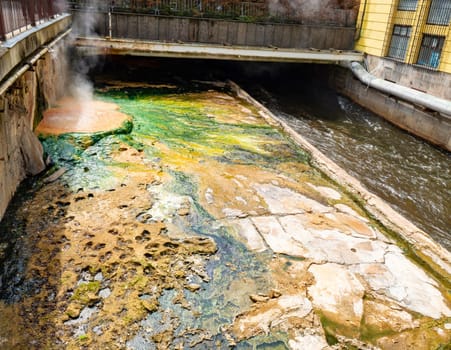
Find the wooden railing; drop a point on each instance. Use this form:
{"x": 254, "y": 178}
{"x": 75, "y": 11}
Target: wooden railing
{"x": 17, "y": 16}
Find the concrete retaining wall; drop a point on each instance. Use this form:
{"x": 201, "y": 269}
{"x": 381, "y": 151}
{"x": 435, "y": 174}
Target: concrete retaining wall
{"x": 17, "y": 49}
{"x": 216, "y": 31}
{"x": 21, "y": 153}
{"x": 416, "y": 77}
{"x": 431, "y": 126}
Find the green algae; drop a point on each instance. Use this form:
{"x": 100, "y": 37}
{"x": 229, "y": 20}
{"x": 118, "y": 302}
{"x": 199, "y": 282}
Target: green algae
{"x": 184, "y": 123}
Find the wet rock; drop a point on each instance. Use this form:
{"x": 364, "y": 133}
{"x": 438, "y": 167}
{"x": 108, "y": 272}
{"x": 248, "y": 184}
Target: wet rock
{"x": 233, "y": 213}
{"x": 274, "y": 293}
{"x": 183, "y": 211}
{"x": 105, "y": 293}
{"x": 209, "y": 196}
{"x": 247, "y": 233}
{"x": 285, "y": 201}
{"x": 32, "y": 152}
{"x": 381, "y": 318}
{"x": 258, "y": 298}
{"x": 276, "y": 238}
{"x": 192, "y": 287}
{"x": 55, "y": 176}
{"x": 330, "y": 244}
{"x": 73, "y": 310}
{"x": 338, "y": 294}
{"x": 413, "y": 288}
{"x": 150, "y": 305}
{"x": 325, "y": 191}
{"x": 343, "y": 208}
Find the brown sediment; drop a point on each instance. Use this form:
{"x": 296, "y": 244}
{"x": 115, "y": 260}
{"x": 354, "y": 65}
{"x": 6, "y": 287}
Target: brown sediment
{"x": 74, "y": 116}
{"x": 92, "y": 251}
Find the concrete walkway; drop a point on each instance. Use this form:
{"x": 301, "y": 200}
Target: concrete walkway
{"x": 103, "y": 46}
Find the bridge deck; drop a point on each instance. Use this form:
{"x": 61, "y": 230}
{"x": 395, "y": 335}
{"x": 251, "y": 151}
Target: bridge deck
{"x": 208, "y": 51}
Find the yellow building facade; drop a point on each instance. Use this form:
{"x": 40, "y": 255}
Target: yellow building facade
{"x": 415, "y": 32}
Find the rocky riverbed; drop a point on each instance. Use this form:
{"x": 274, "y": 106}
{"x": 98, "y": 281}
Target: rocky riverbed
{"x": 202, "y": 227}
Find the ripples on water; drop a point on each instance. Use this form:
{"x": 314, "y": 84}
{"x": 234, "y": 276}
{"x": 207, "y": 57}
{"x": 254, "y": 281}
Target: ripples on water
{"x": 413, "y": 176}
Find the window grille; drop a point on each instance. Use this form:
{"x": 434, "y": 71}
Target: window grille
{"x": 430, "y": 51}
{"x": 408, "y": 5}
{"x": 439, "y": 12}
{"x": 399, "y": 41}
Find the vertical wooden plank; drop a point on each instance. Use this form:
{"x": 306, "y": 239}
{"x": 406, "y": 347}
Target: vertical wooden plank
{"x": 269, "y": 36}
{"x": 193, "y": 31}
{"x": 296, "y": 37}
{"x": 259, "y": 35}
{"x": 232, "y": 32}
{"x": 153, "y": 28}
{"x": 241, "y": 33}
{"x": 184, "y": 30}
{"x": 163, "y": 28}
{"x": 204, "y": 30}
{"x": 221, "y": 33}
{"x": 250, "y": 34}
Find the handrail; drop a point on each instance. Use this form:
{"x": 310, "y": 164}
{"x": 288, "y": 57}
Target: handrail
{"x": 17, "y": 16}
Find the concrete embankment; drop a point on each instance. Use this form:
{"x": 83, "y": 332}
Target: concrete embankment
{"x": 31, "y": 77}
{"x": 422, "y": 114}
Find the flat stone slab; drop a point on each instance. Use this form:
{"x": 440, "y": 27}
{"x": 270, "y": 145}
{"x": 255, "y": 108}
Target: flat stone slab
{"x": 282, "y": 200}
{"x": 248, "y": 233}
{"x": 331, "y": 245}
{"x": 276, "y": 237}
{"x": 337, "y": 293}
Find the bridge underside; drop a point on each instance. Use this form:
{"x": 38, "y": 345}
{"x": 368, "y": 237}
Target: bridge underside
{"x": 105, "y": 46}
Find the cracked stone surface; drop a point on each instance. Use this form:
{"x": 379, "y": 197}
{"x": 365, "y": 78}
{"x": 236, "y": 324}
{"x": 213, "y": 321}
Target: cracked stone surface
{"x": 338, "y": 293}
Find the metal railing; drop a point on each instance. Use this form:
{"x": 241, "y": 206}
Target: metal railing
{"x": 248, "y": 11}
{"x": 17, "y": 16}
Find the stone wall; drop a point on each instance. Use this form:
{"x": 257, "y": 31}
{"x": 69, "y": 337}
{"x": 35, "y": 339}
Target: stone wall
{"x": 21, "y": 153}
{"x": 431, "y": 126}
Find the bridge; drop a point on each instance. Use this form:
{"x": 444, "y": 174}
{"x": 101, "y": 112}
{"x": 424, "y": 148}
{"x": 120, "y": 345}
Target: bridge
{"x": 142, "y": 30}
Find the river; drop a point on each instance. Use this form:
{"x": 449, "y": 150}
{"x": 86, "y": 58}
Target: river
{"x": 198, "y": 224}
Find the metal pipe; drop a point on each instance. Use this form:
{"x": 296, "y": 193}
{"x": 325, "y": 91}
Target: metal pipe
{"x": 417, "y": 97}
{"x": 30, "y": 62}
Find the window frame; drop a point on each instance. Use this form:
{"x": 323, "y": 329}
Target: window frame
{"x": 435, "y": 14}
{"x": 405, "y": 5}
{"x": 431, "y": 51}
{"x": 398, "y": 37}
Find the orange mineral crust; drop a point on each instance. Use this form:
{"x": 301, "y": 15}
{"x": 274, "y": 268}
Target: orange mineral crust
{"x": 73, "y": 115}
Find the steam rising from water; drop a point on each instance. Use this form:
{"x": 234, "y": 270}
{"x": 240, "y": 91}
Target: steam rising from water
{"x": 81, "y": 88}
{"x": 311, "y": 10}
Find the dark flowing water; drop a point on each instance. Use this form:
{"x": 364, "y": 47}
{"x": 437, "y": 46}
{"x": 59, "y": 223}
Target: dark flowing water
{"x": 410, "y": 174}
